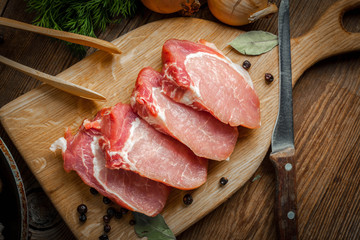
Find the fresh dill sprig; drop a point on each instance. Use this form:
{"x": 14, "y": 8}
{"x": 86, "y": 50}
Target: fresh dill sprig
{"x": 80, "y": 16}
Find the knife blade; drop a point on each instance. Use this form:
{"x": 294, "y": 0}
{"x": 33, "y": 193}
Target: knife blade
{"x": 283, "y": 134}
{"x": 282, "y": 141}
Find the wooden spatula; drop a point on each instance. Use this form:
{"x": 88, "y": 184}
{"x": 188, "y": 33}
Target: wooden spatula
{"x": 66, "y": 36}
{"x": 54, "y": 81}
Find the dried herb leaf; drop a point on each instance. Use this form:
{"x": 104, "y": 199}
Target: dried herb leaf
{"x": 254, "y": 42}
{"x": 154, "y": 228}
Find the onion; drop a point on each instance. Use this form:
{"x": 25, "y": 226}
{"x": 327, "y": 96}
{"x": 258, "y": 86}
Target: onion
{"x": 187, "y": 7}
{"x": 240, "y": 12}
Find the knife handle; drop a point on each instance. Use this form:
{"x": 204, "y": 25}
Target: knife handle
{"x": 285, "y": 203}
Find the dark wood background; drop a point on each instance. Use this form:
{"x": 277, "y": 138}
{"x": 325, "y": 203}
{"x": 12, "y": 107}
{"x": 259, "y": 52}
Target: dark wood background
{"x": 327, "y": 134}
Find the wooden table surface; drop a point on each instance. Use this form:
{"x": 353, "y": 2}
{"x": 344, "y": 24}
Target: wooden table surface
{"x": 327, "y": 134}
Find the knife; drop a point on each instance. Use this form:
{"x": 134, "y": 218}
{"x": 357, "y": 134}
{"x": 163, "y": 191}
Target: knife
{"x": 282, "y": 142}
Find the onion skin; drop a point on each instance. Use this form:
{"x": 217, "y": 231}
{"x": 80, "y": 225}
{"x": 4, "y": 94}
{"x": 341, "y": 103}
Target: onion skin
{"x": 240, "y": 12}
{"x": 187, "y": 7}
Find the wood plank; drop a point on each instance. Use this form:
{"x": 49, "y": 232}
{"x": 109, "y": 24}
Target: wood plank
{"x": 302, "y": 14}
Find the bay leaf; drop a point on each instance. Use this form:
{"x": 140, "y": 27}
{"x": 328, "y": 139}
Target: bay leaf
{"x": 254, "y": 42}
{"x": 154, "y": 228}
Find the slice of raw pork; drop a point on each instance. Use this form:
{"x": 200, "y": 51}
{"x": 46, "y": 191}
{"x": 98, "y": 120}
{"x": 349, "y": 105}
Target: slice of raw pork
{"x": 82, "y": 153}
{"x": 132, "y": 144}
{"x": 199, "y": 75}
{"x": 205, "y": 135}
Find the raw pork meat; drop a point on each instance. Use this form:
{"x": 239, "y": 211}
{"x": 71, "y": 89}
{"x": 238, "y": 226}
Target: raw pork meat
{"x": 83, "y": 154}
{"x": 200, "y": 131}
{"x": 132, "y": 144}
{"x": 199, "y": 75}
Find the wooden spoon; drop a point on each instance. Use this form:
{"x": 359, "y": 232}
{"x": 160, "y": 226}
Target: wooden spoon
{"x": 54, "y": 81}
{"x": 66, "y": 36}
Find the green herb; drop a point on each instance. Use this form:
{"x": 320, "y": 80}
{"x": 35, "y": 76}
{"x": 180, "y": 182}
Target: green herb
{"x": 254, "y": 42}
{"x": 80, "y": 16}
{"x": 154, "y": 228}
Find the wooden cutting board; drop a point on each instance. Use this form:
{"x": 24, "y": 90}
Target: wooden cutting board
{"x": 35, "y": 120}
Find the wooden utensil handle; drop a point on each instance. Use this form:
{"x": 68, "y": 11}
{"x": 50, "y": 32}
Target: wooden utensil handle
{"x": 54, "y": 81}
{"x": 285, "y": 204}
{"x": 326, "y": 38}
{"x": 66, "y": 36}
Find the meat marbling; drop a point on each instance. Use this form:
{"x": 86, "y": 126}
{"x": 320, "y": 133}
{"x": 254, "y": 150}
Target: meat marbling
{"x": 82, "y": 154}
{"x": 199, "y": 75}
{"x": 199, "y": 130}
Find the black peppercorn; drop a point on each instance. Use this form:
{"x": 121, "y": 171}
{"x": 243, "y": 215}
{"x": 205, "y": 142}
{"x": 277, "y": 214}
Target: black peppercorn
{"x": 118, "y": 215}
{"x": 124, "y": 211}
{"x": 246, "y": 65}
{"x": 223, "y": 181}
{"x": 110, "y": 212}
{"x": 106, "y": 219}
{"x": 187, "y": 199}
{"x": 269, "y": 77}
{"x": 104, "y": 237}
{"x": 132, "y": 222}
{"x": 82, "y": 209}
{"x": 82, "y": 218}
{"x": 106, "y": 200}
{"x": 93, "y": 191}
{"x": 107, "y": 228}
